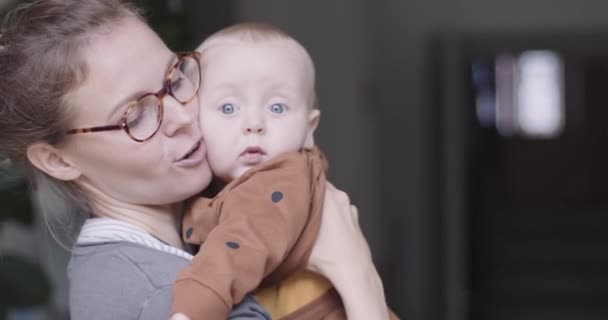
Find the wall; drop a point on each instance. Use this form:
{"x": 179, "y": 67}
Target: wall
{"x": 374, "y": 85}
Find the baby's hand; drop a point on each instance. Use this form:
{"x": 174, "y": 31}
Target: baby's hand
{"x": 179, "y": 316}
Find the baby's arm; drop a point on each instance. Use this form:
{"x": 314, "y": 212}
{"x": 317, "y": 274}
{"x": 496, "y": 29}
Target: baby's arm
{"x": 260, "y": 221}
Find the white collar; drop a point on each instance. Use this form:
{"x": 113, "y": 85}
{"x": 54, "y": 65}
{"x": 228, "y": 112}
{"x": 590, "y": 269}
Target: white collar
{"x": 105, "y": 230}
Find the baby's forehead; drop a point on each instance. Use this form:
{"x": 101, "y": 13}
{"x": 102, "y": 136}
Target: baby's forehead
{"x": 274, "y": 44}
{"x": 297, "y": 54}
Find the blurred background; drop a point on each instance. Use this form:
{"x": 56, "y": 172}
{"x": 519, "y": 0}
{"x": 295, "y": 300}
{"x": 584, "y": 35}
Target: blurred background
{"x": 469, "y": 133}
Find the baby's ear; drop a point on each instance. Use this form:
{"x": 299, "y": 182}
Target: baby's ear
{"x": 52, "y": 161}
{"x": 313, "y": 122}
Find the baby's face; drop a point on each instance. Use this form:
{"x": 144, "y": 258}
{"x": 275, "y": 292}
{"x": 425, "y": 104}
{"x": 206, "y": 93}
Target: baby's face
{"x": 255, "y": 104}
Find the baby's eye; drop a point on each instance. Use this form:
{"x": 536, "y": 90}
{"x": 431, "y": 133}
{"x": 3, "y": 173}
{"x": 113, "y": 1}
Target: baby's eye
{"x": 228, "y": 108}
{"x": 277, "y": 108}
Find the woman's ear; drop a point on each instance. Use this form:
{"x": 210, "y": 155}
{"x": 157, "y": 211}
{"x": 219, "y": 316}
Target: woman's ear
{"x": 51, "y": 161}
{"x": 313, "y": 121}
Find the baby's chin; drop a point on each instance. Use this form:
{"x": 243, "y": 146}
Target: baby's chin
{"x": 227, "y": 176}
{"x": 239, "y": 171}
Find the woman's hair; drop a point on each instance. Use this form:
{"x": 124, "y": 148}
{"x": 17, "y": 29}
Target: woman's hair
{"x": 40, "y": 62}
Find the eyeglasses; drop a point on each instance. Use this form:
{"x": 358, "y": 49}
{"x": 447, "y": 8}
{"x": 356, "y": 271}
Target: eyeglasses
{"x": 143, "y": 117}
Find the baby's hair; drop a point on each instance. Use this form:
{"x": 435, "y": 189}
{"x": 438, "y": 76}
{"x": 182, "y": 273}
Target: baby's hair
{"x": 256, "y": 32}
{"x": 252, "y": 31}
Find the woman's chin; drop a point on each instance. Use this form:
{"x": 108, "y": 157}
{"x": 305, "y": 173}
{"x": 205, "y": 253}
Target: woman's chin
{"x": 199, "y": 180}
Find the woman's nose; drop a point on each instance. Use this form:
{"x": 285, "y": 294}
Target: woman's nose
{"x": 178, "y": 117}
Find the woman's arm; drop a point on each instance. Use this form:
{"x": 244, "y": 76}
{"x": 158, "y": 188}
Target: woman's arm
{"x": 342, "y": 254}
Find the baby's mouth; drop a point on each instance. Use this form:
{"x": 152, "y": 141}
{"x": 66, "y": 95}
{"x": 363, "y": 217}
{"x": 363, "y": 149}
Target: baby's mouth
{"x": 253, "y": 155}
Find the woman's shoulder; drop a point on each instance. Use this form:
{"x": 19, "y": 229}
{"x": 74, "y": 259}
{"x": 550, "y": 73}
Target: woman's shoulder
{"x": 113, "y": 261}
{"x": 131, "y": 278}
{"x": 124, "y": 280}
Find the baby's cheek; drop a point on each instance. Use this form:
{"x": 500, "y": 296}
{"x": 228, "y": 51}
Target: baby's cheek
{"x": 209, "y": 127}
{"x": 202, "y": 115}
{"x": 219, "y": 164}
{"x": 223, "y": 171}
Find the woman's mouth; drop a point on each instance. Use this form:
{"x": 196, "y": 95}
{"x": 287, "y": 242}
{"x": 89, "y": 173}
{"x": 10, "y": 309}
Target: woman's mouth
{"x": 194, "y": 157}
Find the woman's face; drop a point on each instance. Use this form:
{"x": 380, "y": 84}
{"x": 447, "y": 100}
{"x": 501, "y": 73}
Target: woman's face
{"x": 124, "y": 62}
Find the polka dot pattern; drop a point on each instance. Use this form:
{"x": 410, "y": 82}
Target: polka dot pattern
{"x": 276, "y": 196}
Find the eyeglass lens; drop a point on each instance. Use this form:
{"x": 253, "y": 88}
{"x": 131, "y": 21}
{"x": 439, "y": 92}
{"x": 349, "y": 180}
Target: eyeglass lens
{"x": 144, "y": 118}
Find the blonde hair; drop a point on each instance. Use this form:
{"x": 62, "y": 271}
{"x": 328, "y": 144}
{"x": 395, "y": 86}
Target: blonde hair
{"x": 256, "y": 32}
{"x": 40, "y": 62}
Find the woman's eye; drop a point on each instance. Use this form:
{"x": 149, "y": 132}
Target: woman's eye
{"x": 277, "y": 108}
{"x": 133, "y": 122}
{"x": 134, "y": 118}
{"x": 228, "y": 108}
{"x": 176, "y": 83}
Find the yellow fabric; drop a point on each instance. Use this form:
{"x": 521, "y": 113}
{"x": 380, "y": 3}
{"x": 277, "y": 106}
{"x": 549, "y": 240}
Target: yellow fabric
{"x": 292, "y": 293}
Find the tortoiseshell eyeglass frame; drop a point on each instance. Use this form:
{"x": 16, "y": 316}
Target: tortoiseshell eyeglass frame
{"x": 160, "y": 95}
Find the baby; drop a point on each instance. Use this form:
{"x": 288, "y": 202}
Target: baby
{"x": 258, "y": 114}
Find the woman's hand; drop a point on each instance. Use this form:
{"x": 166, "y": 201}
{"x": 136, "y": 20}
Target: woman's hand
{"x": 342, "y": 254}
{"x": 340, "y": 242}
{"x": 179, "y": 316}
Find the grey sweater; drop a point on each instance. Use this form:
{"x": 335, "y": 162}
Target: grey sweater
{"x": 123, "y": 280}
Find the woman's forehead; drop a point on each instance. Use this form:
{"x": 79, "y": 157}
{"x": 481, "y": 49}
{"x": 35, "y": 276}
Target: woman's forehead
{"x": 129, "y": 44}
{"x": 122, "y": 63}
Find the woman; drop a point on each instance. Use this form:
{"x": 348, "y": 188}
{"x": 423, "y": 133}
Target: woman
{"x": 77, "y": 66}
